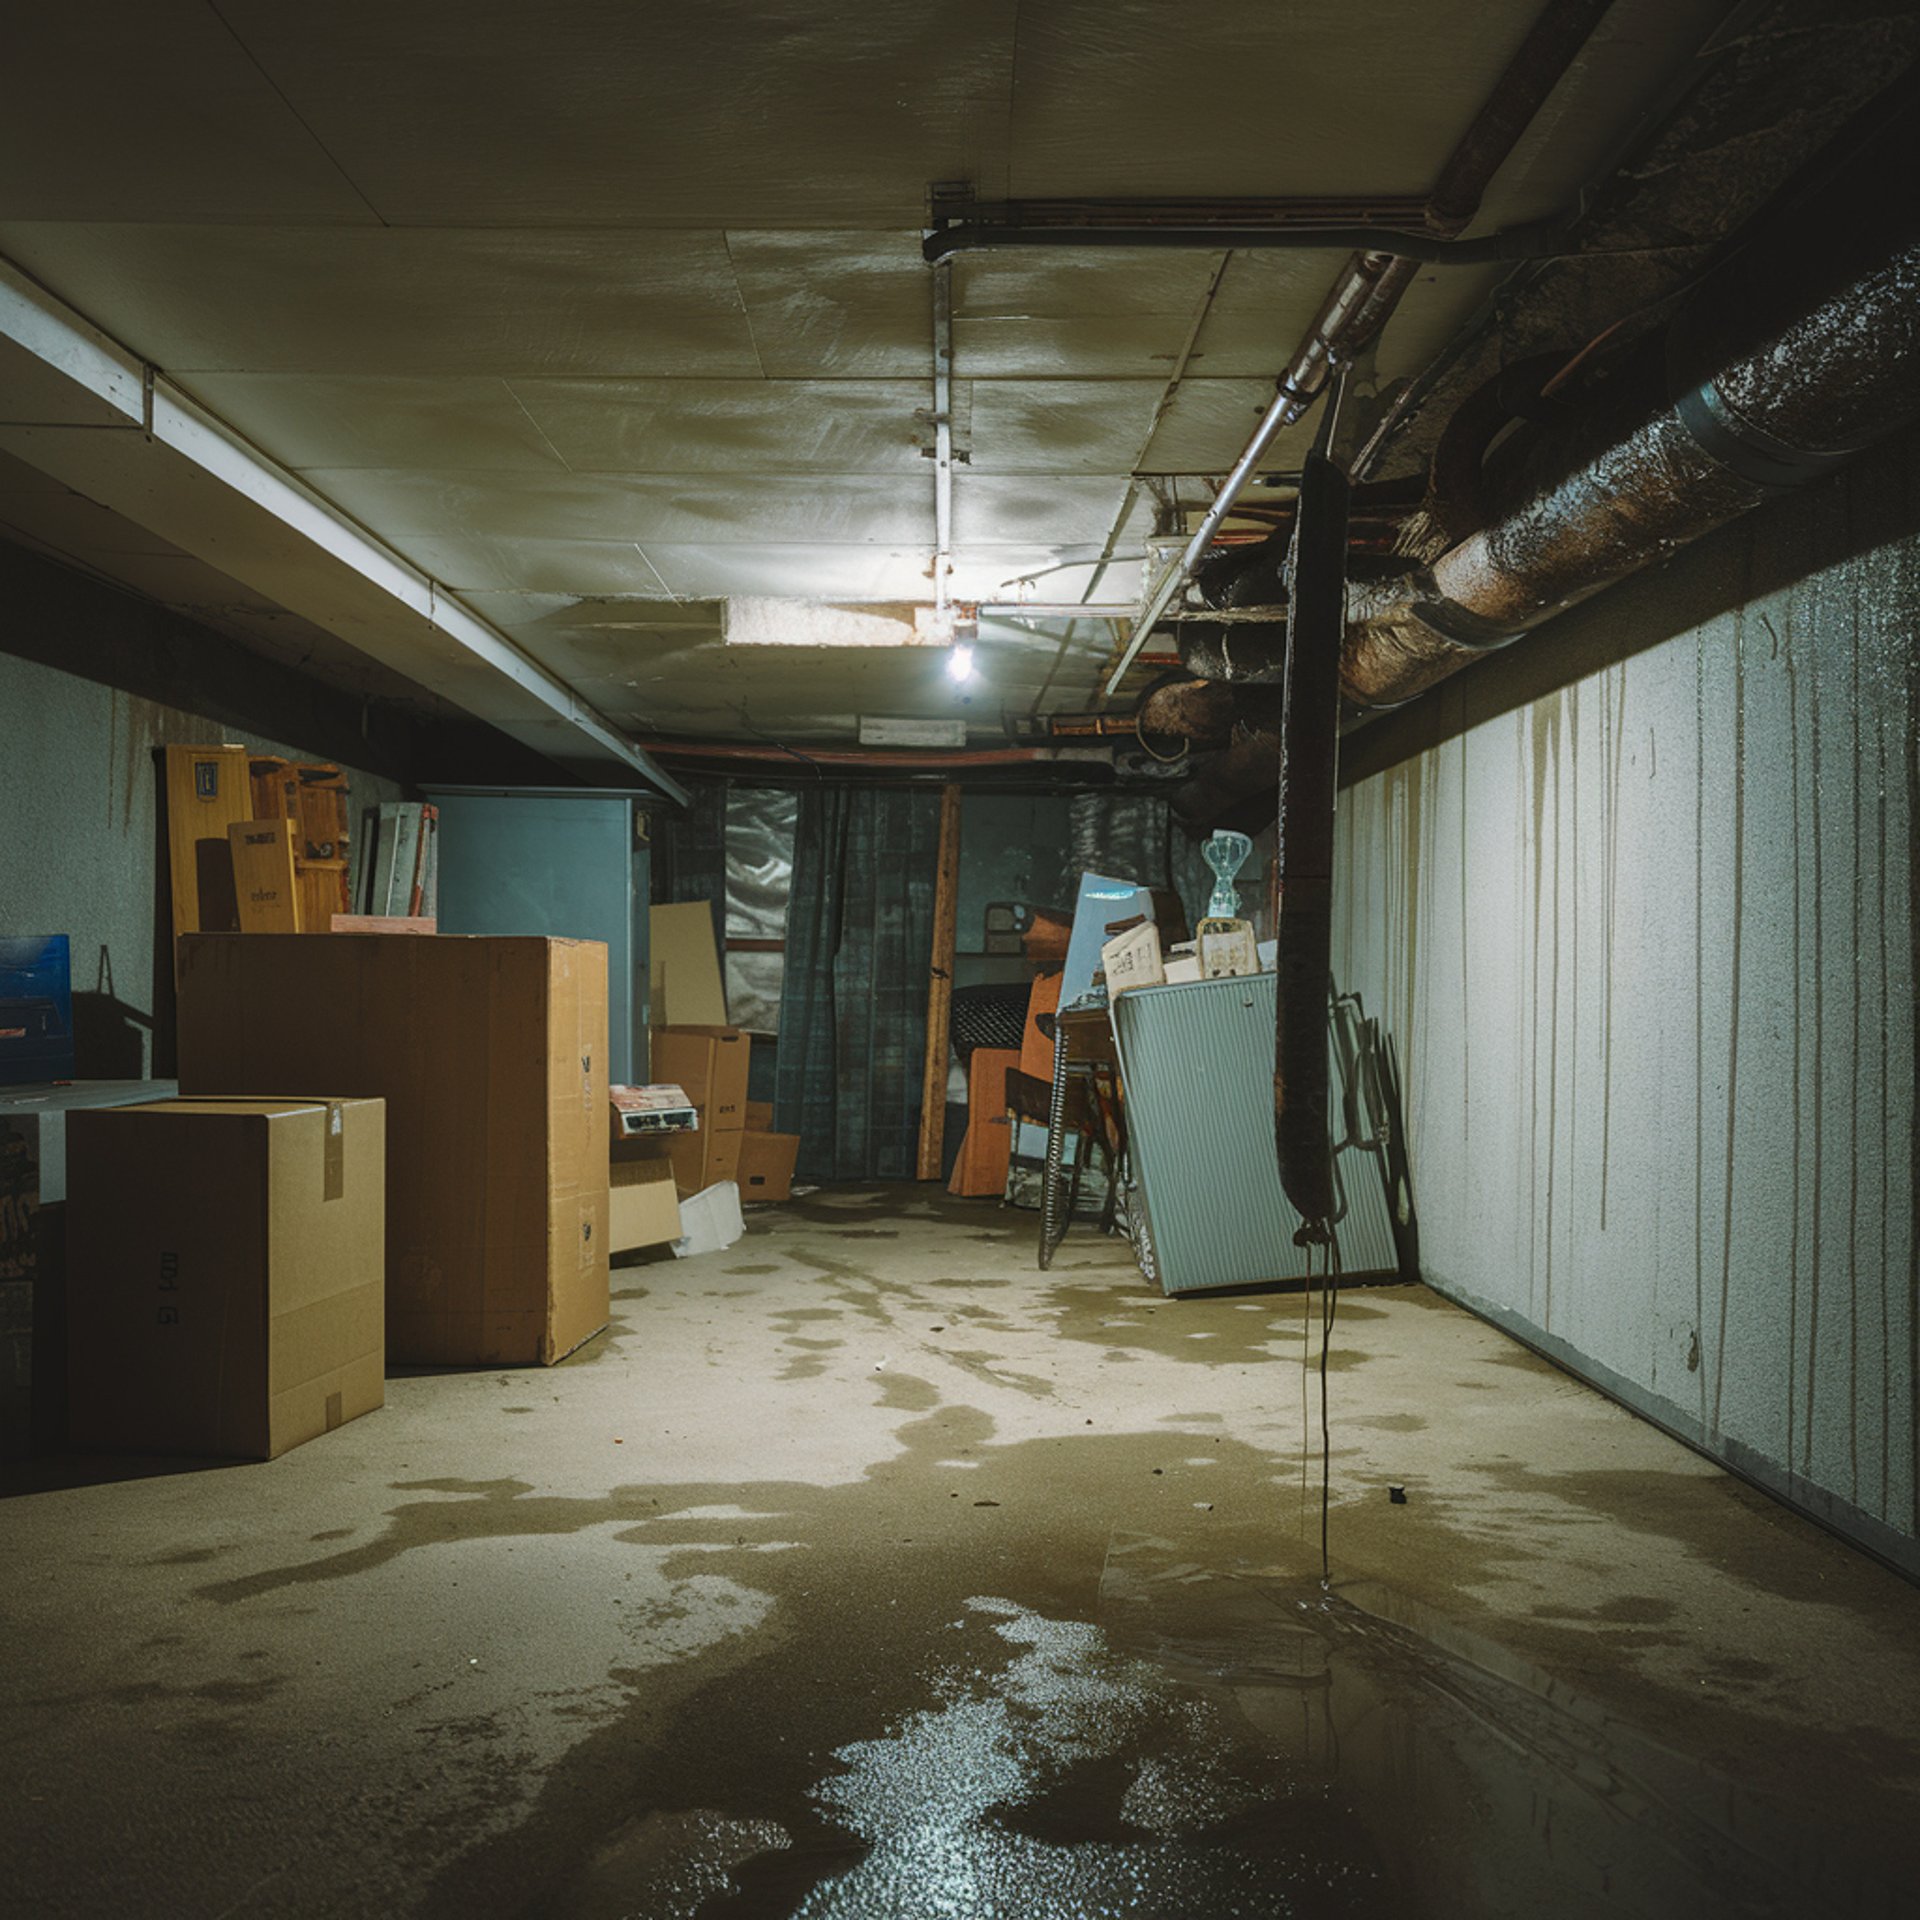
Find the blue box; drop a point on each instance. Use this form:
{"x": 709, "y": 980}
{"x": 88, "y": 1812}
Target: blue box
{"x": 36, "y": 1009}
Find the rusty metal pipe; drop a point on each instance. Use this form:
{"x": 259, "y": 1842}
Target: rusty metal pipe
{"x": 1816, "y": 389}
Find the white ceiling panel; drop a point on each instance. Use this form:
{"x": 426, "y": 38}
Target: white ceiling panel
{"x": 1206, "y": 426}
{"x": 1020, "y": 347}
{"x": 588, "y": 111}
{"x": 1318, "y": 97}
{"x": 1058, "y": 426}
{"x": 333, "y": 300}
{"x": 466, "y": 423}
{"x": 1079, "y": 283}
{"x": 814, "y": 570}
{"x": 521, "y": 564}
{"x": 745, "y": 426}
{"x": 853, "y": 508}
{"x": 994, "y": 509}
{"x": 836, "y": 306}
{"x": 152, "y": 110}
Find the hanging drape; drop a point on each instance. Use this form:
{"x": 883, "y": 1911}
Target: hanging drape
{"x": 853, "y": 1003}
{"x": 689, "y": 848}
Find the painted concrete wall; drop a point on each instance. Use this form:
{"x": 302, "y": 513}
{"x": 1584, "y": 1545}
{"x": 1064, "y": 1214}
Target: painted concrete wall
{"x": 1645, "y": 944}
{"x": 82, "y": 847}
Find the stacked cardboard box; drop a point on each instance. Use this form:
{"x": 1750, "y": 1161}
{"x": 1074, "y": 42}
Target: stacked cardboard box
{"x": 643, "y": 1207}
{"x": 491, "y": 1056}
{"x": 711, "y": 1064}
{"x": 224, "y": 1273}
{"x": 766, "y": 1157}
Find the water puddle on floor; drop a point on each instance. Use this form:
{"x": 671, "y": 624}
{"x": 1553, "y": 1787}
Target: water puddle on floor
{"x": 1242, "y": 1747}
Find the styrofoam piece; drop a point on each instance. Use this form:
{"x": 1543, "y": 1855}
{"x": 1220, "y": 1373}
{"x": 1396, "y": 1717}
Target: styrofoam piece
{"x": 711, "y": 1219}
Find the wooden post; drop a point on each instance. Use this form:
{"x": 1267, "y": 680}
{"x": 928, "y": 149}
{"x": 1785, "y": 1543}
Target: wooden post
{"x": 946, "y": 901}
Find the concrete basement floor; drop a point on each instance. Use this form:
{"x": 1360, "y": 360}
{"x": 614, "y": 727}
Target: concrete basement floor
{"x": 862, "y": 1569}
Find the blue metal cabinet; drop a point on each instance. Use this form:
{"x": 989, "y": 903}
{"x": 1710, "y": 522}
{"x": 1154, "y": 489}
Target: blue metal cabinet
{"x": 1197, "y": 1061}
{"x": 564, "y": 862}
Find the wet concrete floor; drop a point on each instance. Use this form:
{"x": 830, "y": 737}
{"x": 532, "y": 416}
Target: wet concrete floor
{"x": 864, "y": 1570}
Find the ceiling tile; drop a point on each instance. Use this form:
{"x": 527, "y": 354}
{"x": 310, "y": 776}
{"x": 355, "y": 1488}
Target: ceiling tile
{"x": 1251, "y": 100}
{"x": 1080, "y": 283}
{"x": 999, "y": 508}
{"x": 466, "y": 563}
{"x": 1059, "y": 426}
{"x": 1117, "y": 347}
{"x": 815, "y": 570}
{"x": 151, "y": 110}
{"x": 469, "y": 424}
{"x": 838, "y": 306}
{"x": 741, "y": 426}
{"x": 853, "y": 508}
{"x": 1206, "y": 427}
{"x": 332, "y": 300}
{"x": 465, "y": 112}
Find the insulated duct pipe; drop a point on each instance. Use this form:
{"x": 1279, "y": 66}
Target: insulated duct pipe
{"x": 1363, "y": 298}
{"x": 1815, "y": 390}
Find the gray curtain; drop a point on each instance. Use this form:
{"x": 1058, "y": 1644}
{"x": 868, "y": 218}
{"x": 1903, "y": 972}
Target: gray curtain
{"x": 853, "y": 1004}
{"x": 689, "y": 849}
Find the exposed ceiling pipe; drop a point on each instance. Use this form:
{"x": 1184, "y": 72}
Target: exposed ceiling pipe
{"x": 908, "y": 761}
{"x": 1363, "y": 298}
{"x": 1815, "y": 389}
{"x": 1534, "y": 241}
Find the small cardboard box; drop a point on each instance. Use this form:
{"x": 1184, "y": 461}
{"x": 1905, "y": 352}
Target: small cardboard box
{"x": 705, "y": 1158}
{"x": 759, "y": 1116}
{"x": 491, "y": 1054}
{"x": 1132, "y": 959}
{"x": 765, "y": 1167}
{"x": 643, "y": 1204}
{"x": 711, "y": 1064}
{"x": 225, "y": 1263}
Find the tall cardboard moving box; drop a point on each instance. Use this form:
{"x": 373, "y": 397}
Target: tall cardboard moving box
{"x": 224, "y": 1267}
{"x": 491, "y": 1057}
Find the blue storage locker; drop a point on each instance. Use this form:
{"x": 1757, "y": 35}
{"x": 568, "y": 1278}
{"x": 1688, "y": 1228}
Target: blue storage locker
{"x": 563, "y": 862}
{"x": 1197, "y": 1060}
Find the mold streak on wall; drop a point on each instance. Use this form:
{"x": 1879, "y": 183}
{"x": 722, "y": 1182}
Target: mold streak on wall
{"x": 1645, "y": 944}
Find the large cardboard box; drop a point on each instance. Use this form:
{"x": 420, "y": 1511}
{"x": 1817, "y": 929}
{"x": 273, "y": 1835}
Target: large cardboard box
{"x": 711, "y": 1064}
{"x": 491, "y": 1056}
{"x": 703, "y": 1159}
{"x": 224, "y": 1263}
{"x": 765, "y": 1170}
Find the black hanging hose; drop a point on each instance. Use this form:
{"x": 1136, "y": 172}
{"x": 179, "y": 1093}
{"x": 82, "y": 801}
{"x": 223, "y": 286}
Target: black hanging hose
{"x": 1309, "y": 737}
